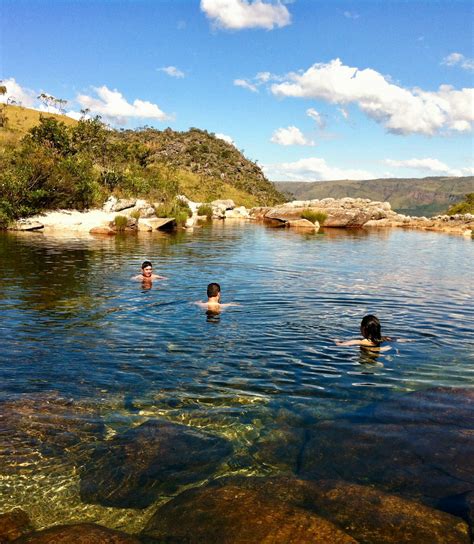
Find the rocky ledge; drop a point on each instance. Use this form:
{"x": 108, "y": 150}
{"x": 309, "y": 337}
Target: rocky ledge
{"x": 358, "y": 213}
{"x": 310, "y": 215}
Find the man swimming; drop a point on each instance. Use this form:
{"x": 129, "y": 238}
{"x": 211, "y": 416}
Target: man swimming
{"x": 147, "y": 273}
{"x": 214, "y": 299}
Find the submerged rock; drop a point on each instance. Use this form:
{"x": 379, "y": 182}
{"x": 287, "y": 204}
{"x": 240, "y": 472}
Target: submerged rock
{"x": 44, "y": 425}
{"x": 235, "y": 515}
{"x": 78, "y": 533}
{"x": 133, "y": 469}
{"x": 367, "y": 514}
{"x": 421, "y": 445}
{"x": 13, "y": 525}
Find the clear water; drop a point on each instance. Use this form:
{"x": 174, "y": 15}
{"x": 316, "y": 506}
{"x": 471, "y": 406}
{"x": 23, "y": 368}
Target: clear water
{"x": 72, "y": 322}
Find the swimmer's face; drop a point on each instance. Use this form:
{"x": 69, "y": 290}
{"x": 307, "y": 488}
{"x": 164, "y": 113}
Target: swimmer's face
{"x": 147, "y": 271}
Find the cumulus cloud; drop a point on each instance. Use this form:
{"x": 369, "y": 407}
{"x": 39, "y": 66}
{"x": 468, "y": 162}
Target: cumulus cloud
{"x": 430, "y": 165}
{"x": 224, "y": 137}
{"x": 113, "y": 106}
{"x": 312, "y": 169}
{"x": 399, "y": 110}
{"x": 246, "y": 85}
{"x": 172, "y": 71}
{"x": 17, "y": 93}
{"x": 240, "y": 14}
{"x": 290, "y": 136}
{"x": 458, "y": 59}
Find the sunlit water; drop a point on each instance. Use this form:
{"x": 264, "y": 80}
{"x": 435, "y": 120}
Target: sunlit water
{"x": 72, "y": 322}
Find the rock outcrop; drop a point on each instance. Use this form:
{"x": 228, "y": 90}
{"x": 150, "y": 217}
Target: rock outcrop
{"x": 358, "y": 213}
{"x": 78, "y": 533}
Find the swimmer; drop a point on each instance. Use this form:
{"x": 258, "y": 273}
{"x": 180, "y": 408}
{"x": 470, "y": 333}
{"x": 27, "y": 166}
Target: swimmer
{"x": 214, "y": 299}
{"x": 372, "y": 335}
{"x": 147, "y": 273}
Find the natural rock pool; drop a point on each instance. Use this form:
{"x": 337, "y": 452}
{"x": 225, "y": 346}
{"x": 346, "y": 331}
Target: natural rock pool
{"x": 116, "y": 397}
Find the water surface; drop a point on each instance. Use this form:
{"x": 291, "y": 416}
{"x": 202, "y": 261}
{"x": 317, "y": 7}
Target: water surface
{"x": 74, "y": 324}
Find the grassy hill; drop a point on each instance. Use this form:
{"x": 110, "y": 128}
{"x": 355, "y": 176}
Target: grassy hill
{"x": 50, "y": 161}
{"x": 426, "y": 196}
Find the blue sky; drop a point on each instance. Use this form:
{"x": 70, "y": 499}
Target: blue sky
{"x": 313, "y": 90}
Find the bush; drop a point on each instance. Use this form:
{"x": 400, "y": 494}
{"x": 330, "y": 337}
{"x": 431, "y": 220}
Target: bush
{"x": 177, "y": 209}
{"x": 466, "y": 206}
{"x": 313, "y": 216}
{"x": 205, "y": 209}
{"x": 120, "y": 222}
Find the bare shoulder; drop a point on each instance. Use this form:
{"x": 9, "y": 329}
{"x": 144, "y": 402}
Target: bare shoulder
{"x": 354, "y": 342}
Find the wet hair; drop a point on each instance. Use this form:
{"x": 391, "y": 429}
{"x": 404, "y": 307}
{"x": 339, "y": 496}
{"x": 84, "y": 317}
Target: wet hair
{"x": 145, "y": 264}
{"x": 370, "y": 329}
{"x": 213, "y": 289}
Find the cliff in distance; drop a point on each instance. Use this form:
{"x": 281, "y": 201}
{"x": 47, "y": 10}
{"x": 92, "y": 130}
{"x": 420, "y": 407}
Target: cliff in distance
{"x": 410, "y": 196}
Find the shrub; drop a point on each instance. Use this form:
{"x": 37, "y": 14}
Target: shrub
{"x": 205, "y": 209}
{"x": 120, "y": 222}
{"x": 313, "y": 216}
{"x": 135, "y": 214}
{"x": 177, "y": 209}
{"x": 466, "y": 206}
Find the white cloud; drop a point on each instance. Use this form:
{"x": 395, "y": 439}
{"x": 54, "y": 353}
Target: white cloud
{"x": 240, "y": 14}
{"x": 172, "y": 71}
{"x": 430, "y": 165}
{"x": 113, "y": 106}
{"x": 399, "y": 110}
{"x": 351, "y": 15}
{"x": 316, "y": 116}
{"x": 290, "y": 136}
{"x": 224, "y": 137}
{"x": 458, "y": 59}
{"x": 246, "y": 85}
{"x": 344, "y": 113}
{"x": 15, "y": 92}
{"x": 312, "y": 169}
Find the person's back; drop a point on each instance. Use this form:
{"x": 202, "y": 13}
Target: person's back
{"x": 214, "y": 299}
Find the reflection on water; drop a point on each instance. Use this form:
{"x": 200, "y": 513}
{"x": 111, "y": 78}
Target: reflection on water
{"x": 259, "y": 374}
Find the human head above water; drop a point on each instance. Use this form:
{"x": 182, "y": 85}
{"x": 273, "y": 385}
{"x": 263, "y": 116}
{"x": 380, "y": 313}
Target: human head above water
{"x": 213, "y": 290}
{"x": 146, "y": 264}
{"x": 370, "y": 328}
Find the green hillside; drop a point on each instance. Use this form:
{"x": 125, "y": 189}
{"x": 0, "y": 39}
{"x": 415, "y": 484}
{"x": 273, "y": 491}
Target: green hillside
{"x": 51, "y": 161}
{"x": 426, "y": 196}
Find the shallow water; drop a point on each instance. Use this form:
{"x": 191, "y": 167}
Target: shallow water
{"x": 73, "y": 323}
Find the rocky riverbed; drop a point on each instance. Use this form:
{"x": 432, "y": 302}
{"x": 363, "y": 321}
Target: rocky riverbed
{"x": 140, "y": 216}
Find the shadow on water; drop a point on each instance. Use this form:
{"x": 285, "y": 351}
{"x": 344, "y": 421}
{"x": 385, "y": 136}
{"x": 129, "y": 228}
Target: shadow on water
{"x": 100, "y": 372}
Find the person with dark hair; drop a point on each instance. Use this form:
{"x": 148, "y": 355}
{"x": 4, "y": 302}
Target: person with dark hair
{"x": 371, "y": 334}
{"x": 147, "y": 273}
{"x": 214, "y": 299}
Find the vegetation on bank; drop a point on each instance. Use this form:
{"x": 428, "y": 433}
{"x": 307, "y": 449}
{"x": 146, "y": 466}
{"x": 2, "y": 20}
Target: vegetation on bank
{"x": 313, "y": 216}
{"x": 78, "y": 164}
{"x": 466, "y": 206}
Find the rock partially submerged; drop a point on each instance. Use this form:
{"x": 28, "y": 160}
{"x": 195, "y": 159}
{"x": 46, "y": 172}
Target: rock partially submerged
{"x": 158, "y": 457}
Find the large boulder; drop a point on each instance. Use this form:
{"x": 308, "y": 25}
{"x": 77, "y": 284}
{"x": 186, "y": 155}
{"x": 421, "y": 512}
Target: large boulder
{"x": 367, "y": 514}
{"x": 133, "y": 469}
{"x": 232, "y": 514}
{"x": 78, "y": 533}
{"x": 26, "y": 224}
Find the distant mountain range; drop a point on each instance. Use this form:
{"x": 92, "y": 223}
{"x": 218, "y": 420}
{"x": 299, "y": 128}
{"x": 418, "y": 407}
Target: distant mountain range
{"x": 411, "y": 196}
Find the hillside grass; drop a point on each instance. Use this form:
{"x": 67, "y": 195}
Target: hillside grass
{"x": 50, "y": 161}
